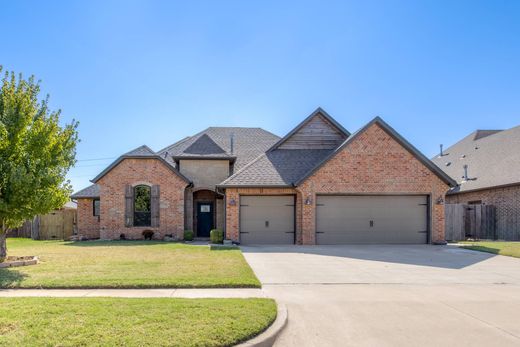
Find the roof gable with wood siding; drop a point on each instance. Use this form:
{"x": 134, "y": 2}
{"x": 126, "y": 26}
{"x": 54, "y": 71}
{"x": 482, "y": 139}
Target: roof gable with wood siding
{"x": 318, "y": 131}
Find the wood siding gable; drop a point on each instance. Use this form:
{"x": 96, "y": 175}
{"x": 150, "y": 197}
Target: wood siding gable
{"x": 317, "y": 133}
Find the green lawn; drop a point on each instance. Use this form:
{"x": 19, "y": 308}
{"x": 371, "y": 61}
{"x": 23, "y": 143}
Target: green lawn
{"x": 511, "y": 249}
{"x": 125, "y": 264}
{"x": 132, "y": 322}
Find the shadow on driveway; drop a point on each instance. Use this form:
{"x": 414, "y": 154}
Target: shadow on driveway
{"x": 449, "y": 257}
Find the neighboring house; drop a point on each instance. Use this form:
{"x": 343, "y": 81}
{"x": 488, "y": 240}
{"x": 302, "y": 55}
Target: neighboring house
{"x": 317, "y": 185}
{"x": 486, "y": 164}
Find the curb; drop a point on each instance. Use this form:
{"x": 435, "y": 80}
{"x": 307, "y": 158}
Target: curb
{"x": 268, "y": 337}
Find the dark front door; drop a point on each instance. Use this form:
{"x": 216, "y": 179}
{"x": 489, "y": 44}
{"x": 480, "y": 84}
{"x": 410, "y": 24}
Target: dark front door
{"x": 204, "y": 218}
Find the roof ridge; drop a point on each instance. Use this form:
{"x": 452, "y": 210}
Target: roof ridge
{"x": 175, "y": 144}
{"x": 183, "y": 140}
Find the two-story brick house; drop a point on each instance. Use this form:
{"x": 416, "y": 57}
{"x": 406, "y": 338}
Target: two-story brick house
{"x": 318, "y": 184}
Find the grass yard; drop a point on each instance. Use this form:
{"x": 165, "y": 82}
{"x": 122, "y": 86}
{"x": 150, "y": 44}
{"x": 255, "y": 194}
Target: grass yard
{"x": 126, "y": 264}
{"x": 511, "y": 249}
{"x": 132, "y": 322}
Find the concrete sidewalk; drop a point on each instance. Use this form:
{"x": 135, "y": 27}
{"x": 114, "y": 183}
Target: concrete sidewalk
{"x": 136, "y": 293}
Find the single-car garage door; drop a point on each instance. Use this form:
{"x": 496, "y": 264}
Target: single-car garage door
{"x": 267, "y": 219}
{"x": 371, "y": 219}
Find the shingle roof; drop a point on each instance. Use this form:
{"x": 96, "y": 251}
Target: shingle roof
{"x": 279, "y": 167}
{"x": 492, "y": 156}
{"x": 248, "y": 144}
{"x": 91, "y": 191}
{"x": 204, "y": 145}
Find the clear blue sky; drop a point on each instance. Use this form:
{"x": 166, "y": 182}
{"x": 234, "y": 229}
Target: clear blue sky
{"x": 152, "y": 72}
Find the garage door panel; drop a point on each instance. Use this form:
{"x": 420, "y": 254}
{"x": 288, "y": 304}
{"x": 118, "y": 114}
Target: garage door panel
{"x": 371, "y": 219}
{"x": 267, "y": 219}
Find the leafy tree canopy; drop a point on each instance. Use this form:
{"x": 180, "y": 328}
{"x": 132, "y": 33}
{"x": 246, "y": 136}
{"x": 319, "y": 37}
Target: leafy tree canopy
{"x": 35, "y": 153}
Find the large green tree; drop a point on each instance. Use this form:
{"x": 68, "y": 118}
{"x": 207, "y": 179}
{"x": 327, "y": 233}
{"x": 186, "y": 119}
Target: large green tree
{"x": 35, "y": 154}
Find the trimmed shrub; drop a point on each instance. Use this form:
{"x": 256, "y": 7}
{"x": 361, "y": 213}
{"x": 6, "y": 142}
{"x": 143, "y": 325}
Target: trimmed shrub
{"x": 216, "y": 236}
{"x": 148, "y": 234}
{"x": 188, "y": 235}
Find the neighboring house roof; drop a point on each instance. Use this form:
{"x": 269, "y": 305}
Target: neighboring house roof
{"x": 291, "y": 167}
{"x": 215, "y": 143}
{"x": 70, "y": 205}
{"x": 91, "y": 191}
{"x": 492, "y": 157}
{"x": 142, "y": 152}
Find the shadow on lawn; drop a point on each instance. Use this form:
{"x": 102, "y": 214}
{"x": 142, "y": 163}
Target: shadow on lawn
{"x": 10, "y": 278}
{"x": 482, "y": 249}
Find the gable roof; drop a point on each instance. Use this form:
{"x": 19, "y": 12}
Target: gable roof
{"x": 141, "y": 152}
{"x": 397, "y": 137}
{"x": 204, "y": 145}
{"x": 91, "y": 191}
{"x": 248, "y": 144}
{"x": 292, "y": 167}
{"x": 492, "y": 156}
{"x": 317, "y": 113}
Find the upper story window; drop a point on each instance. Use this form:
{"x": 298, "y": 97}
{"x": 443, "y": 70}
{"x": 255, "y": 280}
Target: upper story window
{"x": 95, "y": 207}
{"x": 142, "y": 206}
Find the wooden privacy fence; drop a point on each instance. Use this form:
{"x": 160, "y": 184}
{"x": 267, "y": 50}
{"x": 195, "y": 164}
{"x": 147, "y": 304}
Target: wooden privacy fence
{"x": 470, "y": 221}
{"x": 57, "y": 225}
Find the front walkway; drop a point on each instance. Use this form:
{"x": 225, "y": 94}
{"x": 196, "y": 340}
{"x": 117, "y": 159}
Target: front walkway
{"x": 137, "y": 293}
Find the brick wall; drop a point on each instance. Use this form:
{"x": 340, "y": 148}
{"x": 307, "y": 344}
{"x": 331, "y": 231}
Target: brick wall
{"x": 507, "y": 203}
{"x": 87, "y": 223}
{"x": 135, "y": 172}
{"x": 373, "y": 163}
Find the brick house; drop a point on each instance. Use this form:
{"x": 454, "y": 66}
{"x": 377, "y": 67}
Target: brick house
{"x": 486, "y": 165}
{"x": 319, "y": 184}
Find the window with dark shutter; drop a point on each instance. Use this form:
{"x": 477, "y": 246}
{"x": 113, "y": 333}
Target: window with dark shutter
{"x": 95, "y": 207}
{"x": 129, "y": 206}
{"x": 155, "y": 206}
{"x": 142, "y": 206}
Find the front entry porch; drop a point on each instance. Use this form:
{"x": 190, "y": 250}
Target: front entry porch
{"x": 204, "y": 211}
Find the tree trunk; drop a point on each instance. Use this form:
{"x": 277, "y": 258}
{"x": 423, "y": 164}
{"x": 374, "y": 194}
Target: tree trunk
{"x": 3, "y": 245}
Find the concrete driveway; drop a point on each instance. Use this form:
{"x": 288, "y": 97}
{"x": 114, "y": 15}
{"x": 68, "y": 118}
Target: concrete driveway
{"x": 382, "y": 295}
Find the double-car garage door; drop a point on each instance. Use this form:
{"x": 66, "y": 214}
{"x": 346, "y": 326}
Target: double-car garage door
{"x": 340, "y": 219}
{"x": 371, "y": 219}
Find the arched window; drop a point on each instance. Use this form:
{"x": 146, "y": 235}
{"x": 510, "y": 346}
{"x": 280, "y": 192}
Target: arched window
{"x": 142, "y": 206}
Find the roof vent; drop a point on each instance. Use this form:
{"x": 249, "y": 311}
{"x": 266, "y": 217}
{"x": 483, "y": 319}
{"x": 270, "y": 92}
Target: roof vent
{"x": 463, "y": 156}
{"x": 442, "y": 153}
{"x": 448, "y": 163}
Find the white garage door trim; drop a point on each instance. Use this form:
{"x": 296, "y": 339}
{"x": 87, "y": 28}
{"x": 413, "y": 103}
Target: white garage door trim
{"x": 274, "y": 215}
{"x": 364, "y": 211}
